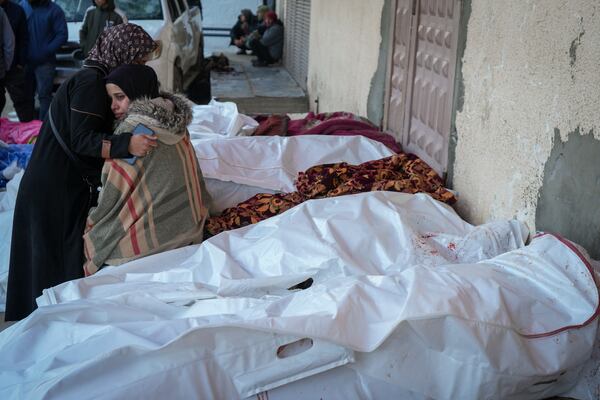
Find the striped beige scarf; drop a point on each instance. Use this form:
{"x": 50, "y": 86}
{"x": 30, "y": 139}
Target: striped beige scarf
{"x": 157, "y": 203}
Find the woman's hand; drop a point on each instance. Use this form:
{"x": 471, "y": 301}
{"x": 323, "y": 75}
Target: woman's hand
{"x": 141, "y": 145}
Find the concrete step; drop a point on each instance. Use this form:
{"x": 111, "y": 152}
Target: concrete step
{"x": 269, "y": 105}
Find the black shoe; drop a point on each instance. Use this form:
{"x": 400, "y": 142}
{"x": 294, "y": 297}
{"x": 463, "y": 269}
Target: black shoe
{"x": 259, "y": 63}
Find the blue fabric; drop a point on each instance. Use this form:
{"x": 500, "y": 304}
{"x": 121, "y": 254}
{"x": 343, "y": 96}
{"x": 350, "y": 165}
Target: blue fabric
{"x": 19, "y": 152}
{"x": 47, "y": 31}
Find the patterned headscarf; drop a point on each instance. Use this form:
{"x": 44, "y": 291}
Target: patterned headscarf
{"x": 121, "y": 44}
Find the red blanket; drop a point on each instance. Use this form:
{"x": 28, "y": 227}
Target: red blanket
{"x": 337, "y": 123}
{"x": 342, "y": 124}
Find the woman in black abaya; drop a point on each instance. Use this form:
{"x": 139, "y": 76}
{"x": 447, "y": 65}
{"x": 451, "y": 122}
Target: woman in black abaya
{"x": 59, "y": 184}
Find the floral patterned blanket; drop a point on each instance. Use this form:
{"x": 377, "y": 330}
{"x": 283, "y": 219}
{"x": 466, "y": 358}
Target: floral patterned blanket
{"x": 400, "y": 173}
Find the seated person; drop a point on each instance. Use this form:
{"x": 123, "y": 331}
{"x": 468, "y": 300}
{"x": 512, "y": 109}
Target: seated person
{"x": 245, "y": 25}
{"x": 156, "y": 203}
{"x": 260, "y": 28}
{"x": 260, "y": 16}
{"x": 269, "y": 46}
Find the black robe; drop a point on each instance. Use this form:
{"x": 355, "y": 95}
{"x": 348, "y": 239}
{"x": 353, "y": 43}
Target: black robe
{"x": 53, "y": 199}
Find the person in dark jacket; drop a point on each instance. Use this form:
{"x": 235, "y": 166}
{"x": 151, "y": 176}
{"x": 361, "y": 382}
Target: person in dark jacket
{"x": 7, "y": 41}
{"x": 98, "y": 17}
{"x": 269, "y": 48}
{"x": 47, "y": 32}
{"x": 61, "y": 180}
{"x": 14, "y": 80}
{"x": 245, "y": 25}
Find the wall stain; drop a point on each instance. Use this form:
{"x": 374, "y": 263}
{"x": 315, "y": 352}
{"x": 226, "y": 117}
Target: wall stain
{"x": 568, "y": 198}
{"x": 575, "y": 43}
{"x": 377, "y": 90}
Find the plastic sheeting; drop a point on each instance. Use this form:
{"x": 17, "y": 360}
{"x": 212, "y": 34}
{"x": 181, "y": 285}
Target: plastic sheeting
{"x": 13, "y": 159}
{"x": 221, "y": 118}
{"x": 273, "y": 162}
{"x": 7, "y": 206}
{"x": 431, "y": 305}
{"x": 14, "y": 132}
{"x": 228, "y": 164}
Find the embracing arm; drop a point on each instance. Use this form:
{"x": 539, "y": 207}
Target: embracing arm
{"x": 88, "y": 113}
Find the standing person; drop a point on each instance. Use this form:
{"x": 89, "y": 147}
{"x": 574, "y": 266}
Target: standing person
{"x": 7, "y": 38}
{"x": 14, "y": 81}
{"x": 47, "y": 32}
{"x": 269, "y": 48}
{"x": 60, "y": 182}
{"x": 97, "y": 18}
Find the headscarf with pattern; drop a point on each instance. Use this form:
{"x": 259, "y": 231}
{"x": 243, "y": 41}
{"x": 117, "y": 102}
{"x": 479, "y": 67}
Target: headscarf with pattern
{"x": 121, "y": 44}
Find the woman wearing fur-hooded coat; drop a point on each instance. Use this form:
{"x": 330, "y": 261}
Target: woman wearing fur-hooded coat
{"x": 156, "y": 203}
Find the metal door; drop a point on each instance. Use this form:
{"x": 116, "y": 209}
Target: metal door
{"x": 426, "y": 104}
{"x": 297, "y": 36}
{"x": 402, "y": 47}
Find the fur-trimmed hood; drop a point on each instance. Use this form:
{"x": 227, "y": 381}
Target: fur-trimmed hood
{"x": 167, "y": 115}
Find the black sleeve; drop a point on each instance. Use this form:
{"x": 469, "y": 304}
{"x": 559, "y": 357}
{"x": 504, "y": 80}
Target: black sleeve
{"x": 236, "y": 31}
{"x": 88, "y": 114}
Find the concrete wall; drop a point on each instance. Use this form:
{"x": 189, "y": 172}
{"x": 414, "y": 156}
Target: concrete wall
{"x": 345, "y": 41}
{"x": 224, "y": 13}
{"x": 531, "y": 82}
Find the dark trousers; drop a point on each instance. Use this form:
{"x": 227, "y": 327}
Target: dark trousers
{"x": 262, "y": 52}
{"x": 14, "y": 83}
{"x": 40, "y": 80}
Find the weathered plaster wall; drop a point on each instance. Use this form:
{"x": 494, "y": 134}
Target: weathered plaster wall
{"x": 344, "y": 53}
{"x": 530, "y": 69}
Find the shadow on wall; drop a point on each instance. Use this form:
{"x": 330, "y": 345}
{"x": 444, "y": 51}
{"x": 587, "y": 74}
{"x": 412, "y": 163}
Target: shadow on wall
{"x": 568, "y": 201}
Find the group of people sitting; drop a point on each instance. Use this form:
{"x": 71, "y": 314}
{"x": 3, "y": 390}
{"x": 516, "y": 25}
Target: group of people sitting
{"x": 261, "y": 34}
{"x": 103, "y": 180}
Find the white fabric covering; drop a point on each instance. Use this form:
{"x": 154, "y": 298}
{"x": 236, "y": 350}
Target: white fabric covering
{"x": 220, "y": 118}
{"x": 273, "y": 162}
{"x": 430, "y": 304}
{"x": 7, "y": 210}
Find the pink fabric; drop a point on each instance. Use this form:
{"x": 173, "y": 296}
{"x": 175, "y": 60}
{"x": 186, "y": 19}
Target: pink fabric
{"x": 341, "y": 124}
{"x": 19, "y": 132}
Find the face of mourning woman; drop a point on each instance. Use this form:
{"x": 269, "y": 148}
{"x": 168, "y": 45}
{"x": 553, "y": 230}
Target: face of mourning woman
{"x": 119, "y": 100}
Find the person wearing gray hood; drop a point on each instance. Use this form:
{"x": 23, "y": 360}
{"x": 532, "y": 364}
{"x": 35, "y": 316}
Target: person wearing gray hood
{"x": 98, "y": 17}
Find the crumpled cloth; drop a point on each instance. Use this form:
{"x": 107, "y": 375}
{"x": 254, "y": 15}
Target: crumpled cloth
{"x": 342, "y": 124}
{"x": 19, "y": 132}
{"x": 398, "y": 173}
{"x": 13, "y": 158}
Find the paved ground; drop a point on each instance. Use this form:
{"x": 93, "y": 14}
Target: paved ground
{"x": 266, "y": 90}
{"x": 4, "y": 325}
